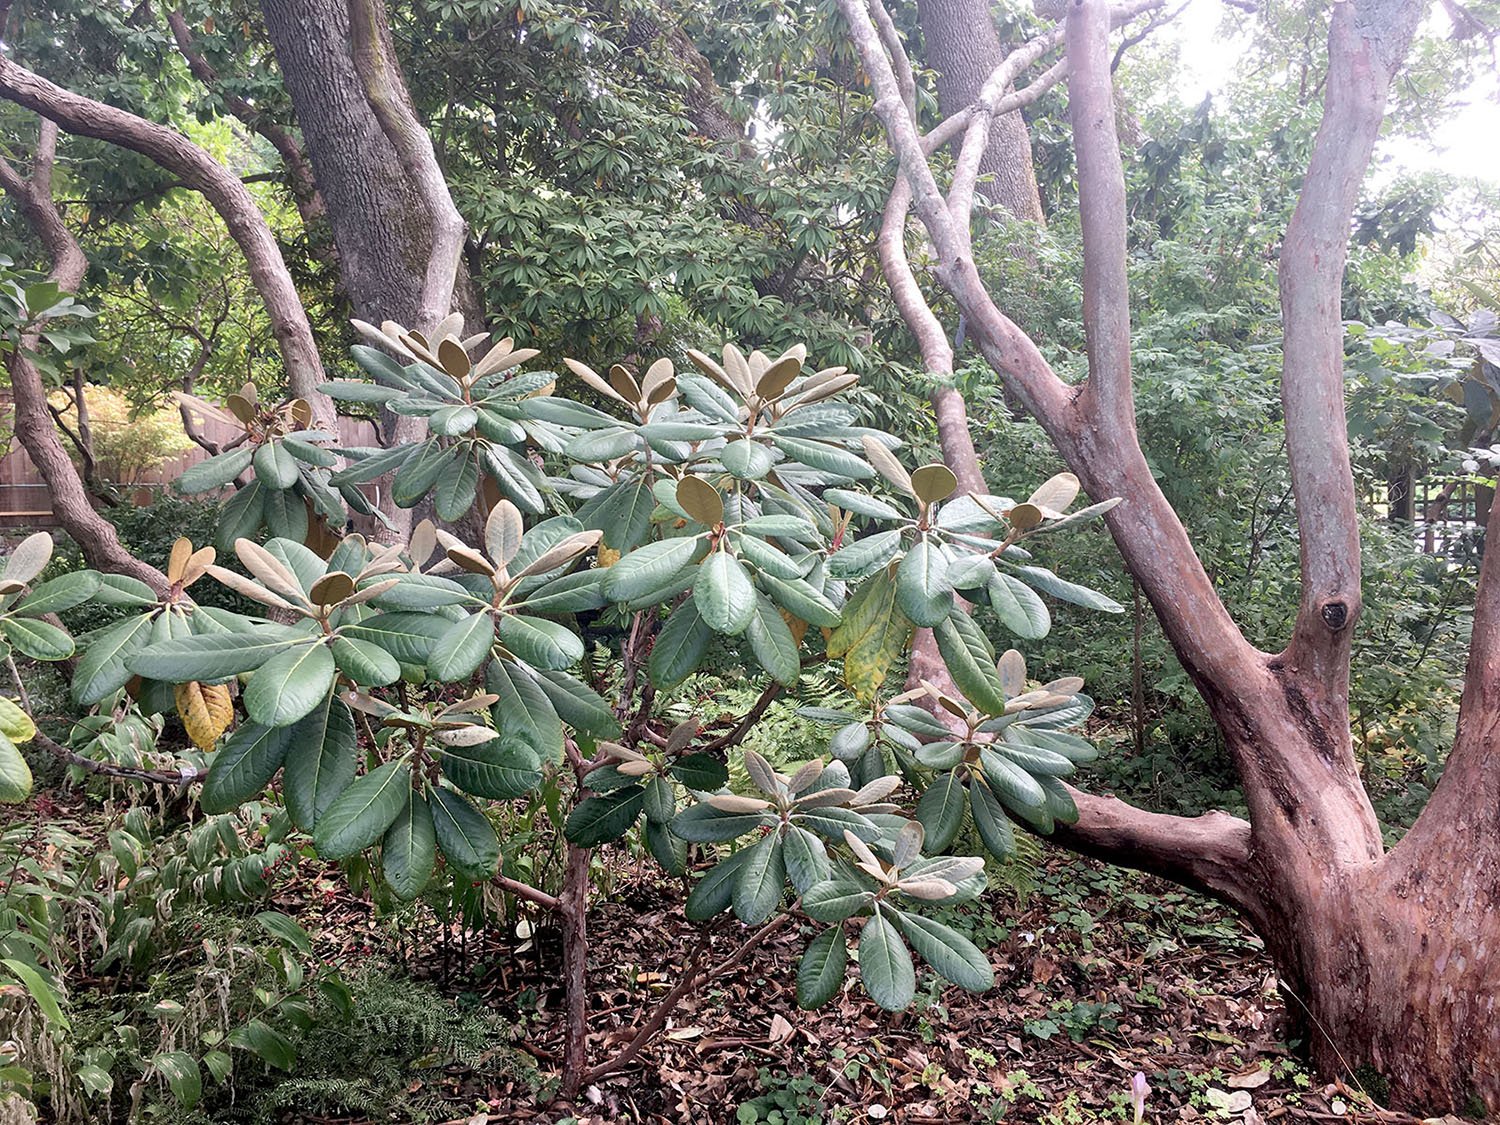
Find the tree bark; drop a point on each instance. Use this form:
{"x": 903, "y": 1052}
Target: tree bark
{"x": 960, "y": 42}
{"x": 95, "y": 535}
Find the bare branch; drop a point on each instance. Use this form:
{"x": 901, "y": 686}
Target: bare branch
{"x": 1101, "y": 201}
{"x": 222, "y": 188}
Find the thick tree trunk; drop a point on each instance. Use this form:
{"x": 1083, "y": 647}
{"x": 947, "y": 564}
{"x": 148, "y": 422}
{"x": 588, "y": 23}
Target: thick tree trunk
{"x": 960, "y": 42}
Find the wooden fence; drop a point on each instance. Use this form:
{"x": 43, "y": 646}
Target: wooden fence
{"x": 26, "y": 502}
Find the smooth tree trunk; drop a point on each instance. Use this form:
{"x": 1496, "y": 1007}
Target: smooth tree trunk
{"x": 1387, "y": 958}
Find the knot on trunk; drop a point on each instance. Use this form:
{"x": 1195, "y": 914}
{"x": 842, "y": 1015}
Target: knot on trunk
{"x": 1335, "y": 615}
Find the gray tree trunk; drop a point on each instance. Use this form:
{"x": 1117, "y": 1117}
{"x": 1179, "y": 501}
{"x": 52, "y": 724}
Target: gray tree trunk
{"x": 960, "y": 43}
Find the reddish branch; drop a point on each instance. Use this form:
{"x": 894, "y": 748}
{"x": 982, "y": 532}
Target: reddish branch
{"x": 34, "y": 428}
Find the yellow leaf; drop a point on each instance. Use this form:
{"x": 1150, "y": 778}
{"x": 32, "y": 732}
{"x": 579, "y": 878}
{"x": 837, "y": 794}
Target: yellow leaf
{"x": 607, "y": 556}
{"x": 796, "y": 625}
{"x": 206, "y": 711}
{"x": 873, "y": 634}
{"x": 15, "y": 724}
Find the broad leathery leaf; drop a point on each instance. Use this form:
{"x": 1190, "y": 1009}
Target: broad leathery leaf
{"x": 598, "y": 820}
{"x": 941, "y": 811}
{"x": 954, "y": 956}
{"x": 359, "y": 816}
{"x": 37, "y": 639}
{"x": 1019, "y": 608}
{"x": 465, "y": 835}
{"x": 243, "y": 766}
{"x": 649, "y": 567}
{"x": 990, "y": 821}
{"x": 820, "y": 974}
{"x": 321, "y": 761}
{"x": 214, "y": 656}
{"x": 184, "y": 1079}
{"x": 712, "y": 893}
{"x": 922, "y": 586}
{"x": 835, "y": 899}
{"x": 62, "y": 593}
{"x": 724, "y": 594}
{"x": 885, "y": 966}
{"x": 539, "y": 642}
{"x": 499, "y": 769}
{"x": 290, "y": 685}
{"x": 970, "y": 660}
{"x": 462, "y": 648}
{"x": 772, "y": 643}
{"x": 760, "y": 883}
{"x": 680, "y": 646}
{"x": 15, "y": 724}
{"x": 365, "y": 663}
{"x": 523, "y": 710}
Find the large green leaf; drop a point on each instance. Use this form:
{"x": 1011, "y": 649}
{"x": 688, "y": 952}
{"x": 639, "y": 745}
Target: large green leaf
{"x": 597, "y": 820}
{"x": 241, "y": 515}
{"x": 101, "y": 670}
{"x": 546, "y": 644}
{"x": 821, "y": 973}
{"x": 922, "y": 587}
{"x": 704, "y": 824}
{"x": 702, "y": 772}
{"x": 407, "y": 636}
{"x": 806, "y": 858}
{"x": 772, "y": 642}
{"x": 61, "y": 593}
{"x": 290, "y": 685}
{"x": 37, "y": 639}
{"x": 359, "y": 816}
{"x": 622, "y": 512}
{"x": 648, "y": 567}
{"x": 465, "y": 834}
{"x": 680, "y": 646}
{"x": 712, "y": 893}
{"x": 885, "y": 966}
{"x": 275, "y": 467}
{"x": 183, "y": 1077}
{"x": 321, "y": 760}
{"x": 215, "y": 472}
{"x": 457, "y": 487}
{"x": 244, "y": 766}
{"x": 954, "y": 956}
{"x": 462, "y": 648}
{"x": 500, "y": 769}
{"x": 578, "y": 705}
{"x": 1049, "y": 583}
{"x": 864, "y": 557}
{"x": 365, "y": 663}
{"x": 215, "y": 656}
{"x": 523, "y": 710}
{"x": 1019, "y": 608}
{"x": 801, "y": 600}
{"x": 761, "y": 882}
{"x": 990, "y": 821}
{"x": 835, "y": 899}
{"x": 970, "y": 660}
{"x": 724, "y": 594}
{"x": 408, "y": 851}
{"x": 1017, "y": 790}
{"x": 941, "y": 811}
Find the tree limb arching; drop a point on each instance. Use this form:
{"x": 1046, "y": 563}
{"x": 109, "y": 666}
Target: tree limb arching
{"x": 35, "y": 431}
{"x": 197, "y": 169}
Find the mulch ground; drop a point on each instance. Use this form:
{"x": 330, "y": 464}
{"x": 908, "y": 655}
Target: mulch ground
{"x": 1100, "y": 974}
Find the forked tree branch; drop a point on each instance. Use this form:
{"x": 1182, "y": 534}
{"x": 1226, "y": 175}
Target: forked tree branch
{"x": 304, "y": 187}
{"x": 385, "y": 90}
{"x": 229, "y": 197}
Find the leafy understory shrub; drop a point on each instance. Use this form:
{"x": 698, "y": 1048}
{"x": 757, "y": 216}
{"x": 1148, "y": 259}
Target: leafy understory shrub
{"x": 400, "y": 690}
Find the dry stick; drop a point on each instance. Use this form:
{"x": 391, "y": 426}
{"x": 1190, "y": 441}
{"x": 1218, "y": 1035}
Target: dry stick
{"x": 742, "y": 728}
{"x": 690, "y": 981}
{"x": 527, "y": 892}
{"x": 183, "y": 777}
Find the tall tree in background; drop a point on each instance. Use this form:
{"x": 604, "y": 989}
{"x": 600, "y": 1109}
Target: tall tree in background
{"x": 1386, "y": 952}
